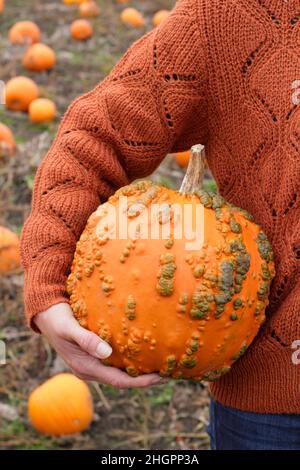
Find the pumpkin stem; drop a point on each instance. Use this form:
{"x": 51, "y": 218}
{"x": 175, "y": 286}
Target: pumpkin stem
{"x": 193, "y": 180}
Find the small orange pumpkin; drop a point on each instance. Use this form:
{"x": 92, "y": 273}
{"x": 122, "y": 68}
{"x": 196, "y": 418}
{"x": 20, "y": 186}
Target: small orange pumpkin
{"x": 89, "y": 8}
{"x": 42, "y": 110}
{"x": 19, "y": 92}
{"x": 160, "y": 16}
{"x": 196, "y": 308}
{"x": 132, "y": 17}
{"x": 183, "y": 158}
{"x": 60, "y": 406}
{"x": 9, "y": 251}
{"x": 24, "y": 32}
{"x": 7, "y": 141}
{"x": 81, "y": 30}
{"x": 2, "y": 5}
{"x": 39, "y": 58}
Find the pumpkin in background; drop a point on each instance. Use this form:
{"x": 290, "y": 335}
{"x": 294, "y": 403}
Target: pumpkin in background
{"x": 60, "y": 406}
{"x": 20, "y": 92}
{"x": 183, "y": 158}
{"x": 2, "y": 5}
{"x": 24, "y": 32}
{"x": 89, "y": 8}
{"x": 132, "y": 17}
{"x": 164, "y": 306}
{"x": 39, "y": 58}
{"x": 160, "y": 16}
{"x": 7, "y": 141}
{"x": 42, "y": 110}
{"x": 81, "y": 30}
{"x": 9, "y": 251}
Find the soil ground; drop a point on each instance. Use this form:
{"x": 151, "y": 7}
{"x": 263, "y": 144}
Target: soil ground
{"x": 172, "y": 416}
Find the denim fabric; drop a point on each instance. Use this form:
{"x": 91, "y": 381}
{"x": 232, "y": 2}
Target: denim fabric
{"x": 232, "y": 429}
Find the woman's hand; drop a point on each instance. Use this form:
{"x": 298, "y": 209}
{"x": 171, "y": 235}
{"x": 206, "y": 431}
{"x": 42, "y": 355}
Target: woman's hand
{"x": 82, "y": 350}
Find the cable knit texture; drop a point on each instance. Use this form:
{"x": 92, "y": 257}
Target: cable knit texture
{"x": 216, "y": 72}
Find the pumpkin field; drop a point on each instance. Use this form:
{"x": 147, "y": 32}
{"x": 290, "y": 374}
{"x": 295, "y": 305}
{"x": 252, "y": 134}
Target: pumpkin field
{"x": 62, "y": 51}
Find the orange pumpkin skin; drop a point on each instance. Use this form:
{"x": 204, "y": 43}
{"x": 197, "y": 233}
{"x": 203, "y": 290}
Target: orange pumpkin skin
{"x": 39, "y": 58}
{"x": 89, "y": 8}
{"x": 7, "y": 141}
{"x": 9, "y": 251}
{"x": 163, "y": 308}
{"x": 132, "y": 17}
{"x": 24, "y": 32}
{"x": 81, "y": 30}
{"x": 42, "y": 110}
{"x": 2, "y": 5}
{"x": 160, "y": 16}
{"x": 20, "y": 92}
{"x": 183, "y": 158}
{"x": 60, "y": 406}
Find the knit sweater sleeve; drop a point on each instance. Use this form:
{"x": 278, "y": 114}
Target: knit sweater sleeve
{"x": 152, "y": 103}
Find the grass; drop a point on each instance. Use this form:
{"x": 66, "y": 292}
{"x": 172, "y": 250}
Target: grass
{"x": 165, "y": 181}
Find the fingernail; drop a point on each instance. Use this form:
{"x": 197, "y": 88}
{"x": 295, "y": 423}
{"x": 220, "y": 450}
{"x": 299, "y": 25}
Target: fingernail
{"x": 103, "y": 350}
{"x": 164, "y": 380}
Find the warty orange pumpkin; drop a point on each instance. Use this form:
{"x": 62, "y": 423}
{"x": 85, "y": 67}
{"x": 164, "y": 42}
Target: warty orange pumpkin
{"x": 60, "y": 406}
{"x": 20, "y": 92}
{"x": 9, "y": 251}
{"x": 39, "y": 58}
{"x": 164, "y": 306}
{"x": 24, "y": 32}
{"x": 7, "y": 141}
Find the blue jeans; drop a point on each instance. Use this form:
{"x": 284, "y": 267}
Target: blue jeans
{"x": 232, "y": 429}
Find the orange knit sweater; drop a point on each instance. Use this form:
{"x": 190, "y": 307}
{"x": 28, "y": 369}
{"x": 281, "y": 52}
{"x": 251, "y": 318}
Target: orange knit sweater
{"x": 216, "y": 72}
